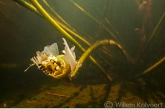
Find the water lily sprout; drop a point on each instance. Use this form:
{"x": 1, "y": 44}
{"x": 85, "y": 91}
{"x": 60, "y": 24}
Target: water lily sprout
{"x": 53, "y": 64}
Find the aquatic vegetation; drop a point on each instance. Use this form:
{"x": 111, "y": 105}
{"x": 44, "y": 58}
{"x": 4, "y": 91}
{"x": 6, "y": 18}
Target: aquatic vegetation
{"x": 135, "y": 70}
{"x": 91, "y": 49}
{"x": 53, "y": 64}
{"x": 144, "y": 9}
{"x": 59, "y": 28}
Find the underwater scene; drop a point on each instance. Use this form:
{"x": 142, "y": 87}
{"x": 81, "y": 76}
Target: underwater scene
{"x": 82, "y": 53}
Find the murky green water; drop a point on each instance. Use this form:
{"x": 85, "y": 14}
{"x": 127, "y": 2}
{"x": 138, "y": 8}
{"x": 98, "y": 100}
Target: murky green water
{"x": 137, "y": 25}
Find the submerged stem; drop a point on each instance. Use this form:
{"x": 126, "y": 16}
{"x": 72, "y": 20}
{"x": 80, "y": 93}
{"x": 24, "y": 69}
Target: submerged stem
{"x": 93, "y": 18}
{"x": 152, "y": 67}
{"x": 55, "y": 13}
{"x": 91, "y": 49}
{"x": 157, "y": 26}
{"x": 28, "y": 6}
{"x": 54, "y": 23}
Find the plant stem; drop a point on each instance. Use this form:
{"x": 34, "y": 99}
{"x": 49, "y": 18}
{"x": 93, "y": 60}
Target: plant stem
{"x": 157, "y": 26}
{"x": 28, "y": 6}
{"x": 151, "y": 68}
{"x": 93, "y": 18}
{"x": 90, "y": 50}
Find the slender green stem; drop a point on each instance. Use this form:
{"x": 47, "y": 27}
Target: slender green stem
{"x": 63, "y": 26}
{"x": 151, "y": 68}
{"x": 83, "y": 10}
{"x": 55, "y": 13}
{"x": 90, "y": 50}
{"x": 75, "y": 34}
{"x": 156, "y": 28}
{"x": 54, "y": 23}
{"x": 27, "y": 5}
{"x": 101, "y": 22}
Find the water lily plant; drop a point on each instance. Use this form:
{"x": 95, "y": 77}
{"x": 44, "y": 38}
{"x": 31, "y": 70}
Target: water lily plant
{"x": 53, "y": 64}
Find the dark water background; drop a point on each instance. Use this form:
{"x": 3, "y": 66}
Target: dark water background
{"x": 23, "y": 33}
